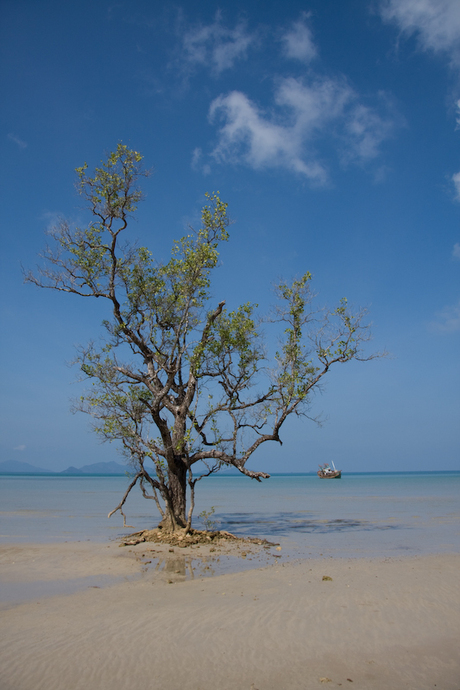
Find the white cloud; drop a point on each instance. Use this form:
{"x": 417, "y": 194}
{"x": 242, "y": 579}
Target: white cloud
{"x": 365, "y": 131}
{"x": 456, "y": 251}
{"x": 22, "y": 447}
{"x": 435, "y": 22}
{"x": 287, "y": 138}
{"x": 448, "y": 320}
{"x": 19, "y": 142}
{"x": 298, "y": 41}
{"x": 216, "y": 46}
{"x": 248, "y": 136}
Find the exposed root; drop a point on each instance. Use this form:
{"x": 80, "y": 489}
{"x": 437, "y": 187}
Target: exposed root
{"x": 193, "y": 537}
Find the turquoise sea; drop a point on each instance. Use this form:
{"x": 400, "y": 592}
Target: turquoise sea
{"x": 369, "y": 515}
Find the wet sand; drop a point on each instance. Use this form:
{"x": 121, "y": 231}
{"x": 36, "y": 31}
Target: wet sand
{"x": 99, "y": 617}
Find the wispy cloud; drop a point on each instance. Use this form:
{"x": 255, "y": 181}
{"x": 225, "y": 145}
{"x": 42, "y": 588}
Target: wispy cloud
{"x": 51, "y": 218}
{"x": 287, "y": 136}
{"x": 19, "y": 142}
{"x": 436, "y": 23}
{"x": 447, "y": 320}
{"x": 456, "y": 181}
{"x": 298, "y": 41}
{"x": 197, "y": 162}
{"x": 365, "y": 130}
{"x": 215, "y": 46}
{"x": 457, "y": 117}
{"x": 22, "y": 447}
{"x": 456, "y": 251}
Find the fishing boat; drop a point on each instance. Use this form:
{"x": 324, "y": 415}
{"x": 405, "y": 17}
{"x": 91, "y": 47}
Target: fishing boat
{"x": 327, "y": 472}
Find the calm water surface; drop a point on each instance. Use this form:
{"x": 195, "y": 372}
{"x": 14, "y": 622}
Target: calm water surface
{"x": 359, "y": 515}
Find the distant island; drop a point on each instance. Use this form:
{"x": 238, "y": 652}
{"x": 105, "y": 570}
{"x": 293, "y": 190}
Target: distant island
{"x": 17, "y": 467}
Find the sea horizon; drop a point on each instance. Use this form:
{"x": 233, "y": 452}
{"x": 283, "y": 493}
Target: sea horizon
{"x": 313, "y": 473}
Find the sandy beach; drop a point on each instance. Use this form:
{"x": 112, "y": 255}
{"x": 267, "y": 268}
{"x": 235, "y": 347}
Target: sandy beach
{"x": 85, "y": 615}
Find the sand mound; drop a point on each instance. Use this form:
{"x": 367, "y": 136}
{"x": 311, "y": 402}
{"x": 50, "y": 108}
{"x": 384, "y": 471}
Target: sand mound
{"x": 193, "y": 537}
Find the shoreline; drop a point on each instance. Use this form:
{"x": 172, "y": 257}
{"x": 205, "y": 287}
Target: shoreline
{"x": 378, "y": 623}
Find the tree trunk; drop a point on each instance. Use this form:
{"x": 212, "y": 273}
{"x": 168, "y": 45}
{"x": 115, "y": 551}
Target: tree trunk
{"x": 175, "y": 515}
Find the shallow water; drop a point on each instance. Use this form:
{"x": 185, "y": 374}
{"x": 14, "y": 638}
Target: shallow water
{"x": 358, "y": 515}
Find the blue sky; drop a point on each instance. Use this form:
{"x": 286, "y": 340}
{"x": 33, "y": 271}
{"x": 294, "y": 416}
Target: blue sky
{"x": 331, "y": 128}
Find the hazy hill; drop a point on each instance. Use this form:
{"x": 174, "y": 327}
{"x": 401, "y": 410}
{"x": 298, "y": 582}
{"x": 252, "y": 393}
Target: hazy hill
{"x": 97, "y": 468}
{"x": 16, "y": 467}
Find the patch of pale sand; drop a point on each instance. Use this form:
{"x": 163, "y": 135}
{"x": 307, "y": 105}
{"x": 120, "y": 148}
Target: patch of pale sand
{"x": 26, "y": 566}
{"x": 377, "y": 625}
{"x": 30, "y": 562}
